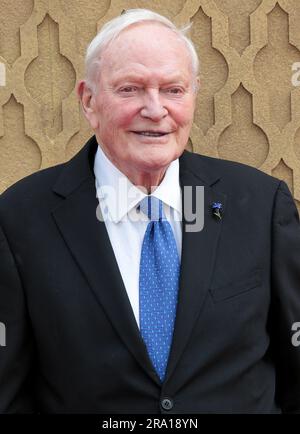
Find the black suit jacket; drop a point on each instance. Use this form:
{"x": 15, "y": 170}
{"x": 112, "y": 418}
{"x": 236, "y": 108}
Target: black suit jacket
{"x": 72, "y": 342}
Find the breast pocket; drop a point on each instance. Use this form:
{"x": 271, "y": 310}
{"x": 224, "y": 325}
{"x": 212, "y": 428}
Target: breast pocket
{"x": 243, "y": 284}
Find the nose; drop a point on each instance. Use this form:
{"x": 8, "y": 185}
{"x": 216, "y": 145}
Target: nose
{"x": 153, "y": 108}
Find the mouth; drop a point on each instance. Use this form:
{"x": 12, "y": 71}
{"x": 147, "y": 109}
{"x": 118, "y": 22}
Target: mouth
{"x": 151, "y": 133}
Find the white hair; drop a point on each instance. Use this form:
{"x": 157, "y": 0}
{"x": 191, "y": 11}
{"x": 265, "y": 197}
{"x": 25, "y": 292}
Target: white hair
{"x": 114, "y": 27}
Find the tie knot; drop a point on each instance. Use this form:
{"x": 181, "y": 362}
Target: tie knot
{"x": 152, "y": 207}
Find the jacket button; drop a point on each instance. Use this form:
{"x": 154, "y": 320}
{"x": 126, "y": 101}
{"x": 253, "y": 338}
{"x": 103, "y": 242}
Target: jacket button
{"x": 167, "y": 404}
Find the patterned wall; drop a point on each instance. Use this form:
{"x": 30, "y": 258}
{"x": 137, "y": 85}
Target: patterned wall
{"x": 248, "y": 105}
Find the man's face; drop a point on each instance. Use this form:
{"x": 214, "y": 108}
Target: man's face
{"x": 143, "y": 109}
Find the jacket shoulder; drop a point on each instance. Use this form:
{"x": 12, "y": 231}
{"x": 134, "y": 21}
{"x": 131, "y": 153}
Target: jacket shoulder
{"x": 232, "y": 172}
{"x": 34, "y": 185}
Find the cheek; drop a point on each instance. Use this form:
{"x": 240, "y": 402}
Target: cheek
{"x": 183, "y": 114}
{"x": 184, "y": 120}
{"x": 121, "y": 115}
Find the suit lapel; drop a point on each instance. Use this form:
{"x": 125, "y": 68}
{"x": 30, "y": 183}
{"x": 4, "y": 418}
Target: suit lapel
{"x": 198, "y": 256}
{"x": 89, "y": 244}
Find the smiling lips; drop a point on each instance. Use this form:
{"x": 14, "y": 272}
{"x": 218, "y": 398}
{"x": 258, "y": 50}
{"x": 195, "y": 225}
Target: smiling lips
{"x": 151, "y": 133}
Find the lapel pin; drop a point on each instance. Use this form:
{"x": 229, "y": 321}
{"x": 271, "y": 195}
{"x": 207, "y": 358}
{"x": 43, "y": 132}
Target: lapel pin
{"x": 217, "y": 209}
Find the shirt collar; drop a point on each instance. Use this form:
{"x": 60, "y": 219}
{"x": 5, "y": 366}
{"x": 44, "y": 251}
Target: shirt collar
{"x": 120, "y": 196}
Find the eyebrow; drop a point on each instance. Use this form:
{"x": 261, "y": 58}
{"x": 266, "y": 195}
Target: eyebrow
{"x": 169, "y": 79}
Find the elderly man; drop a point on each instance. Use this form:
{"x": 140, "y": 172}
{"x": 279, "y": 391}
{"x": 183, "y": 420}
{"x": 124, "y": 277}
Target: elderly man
{"x": 112, "y": 301}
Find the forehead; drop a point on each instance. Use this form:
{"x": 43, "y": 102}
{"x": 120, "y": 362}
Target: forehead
{"x": 148, "y": 46}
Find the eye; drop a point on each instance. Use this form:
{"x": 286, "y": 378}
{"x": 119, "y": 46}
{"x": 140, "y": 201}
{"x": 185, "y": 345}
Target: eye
{"x": 128, "y": 89}
{"x": 175, "y": 91}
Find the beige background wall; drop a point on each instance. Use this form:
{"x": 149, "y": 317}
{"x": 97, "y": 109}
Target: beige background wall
{"x": 248, "y": 105}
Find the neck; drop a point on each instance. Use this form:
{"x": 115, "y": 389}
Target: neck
{"x": 148, "y": 181}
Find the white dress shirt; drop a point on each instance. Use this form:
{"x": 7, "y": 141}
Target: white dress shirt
{"x": 118, "y": 199}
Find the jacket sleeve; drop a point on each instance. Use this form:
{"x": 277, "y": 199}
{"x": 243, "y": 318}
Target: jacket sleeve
{"x": 285, "y": 304}
{"x": 16, "y": 341}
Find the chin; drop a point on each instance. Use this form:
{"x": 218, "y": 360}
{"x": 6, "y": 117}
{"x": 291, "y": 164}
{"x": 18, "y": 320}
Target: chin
{"x": 157, "y": 162}
{"x": 160, "y": 157}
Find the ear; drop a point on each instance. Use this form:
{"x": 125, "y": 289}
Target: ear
{"x": 197, "y": 84}
{"x": 88, "y": 103}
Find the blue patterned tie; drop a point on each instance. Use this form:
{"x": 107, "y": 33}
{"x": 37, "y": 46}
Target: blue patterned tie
{"x": 158, "y": 284}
